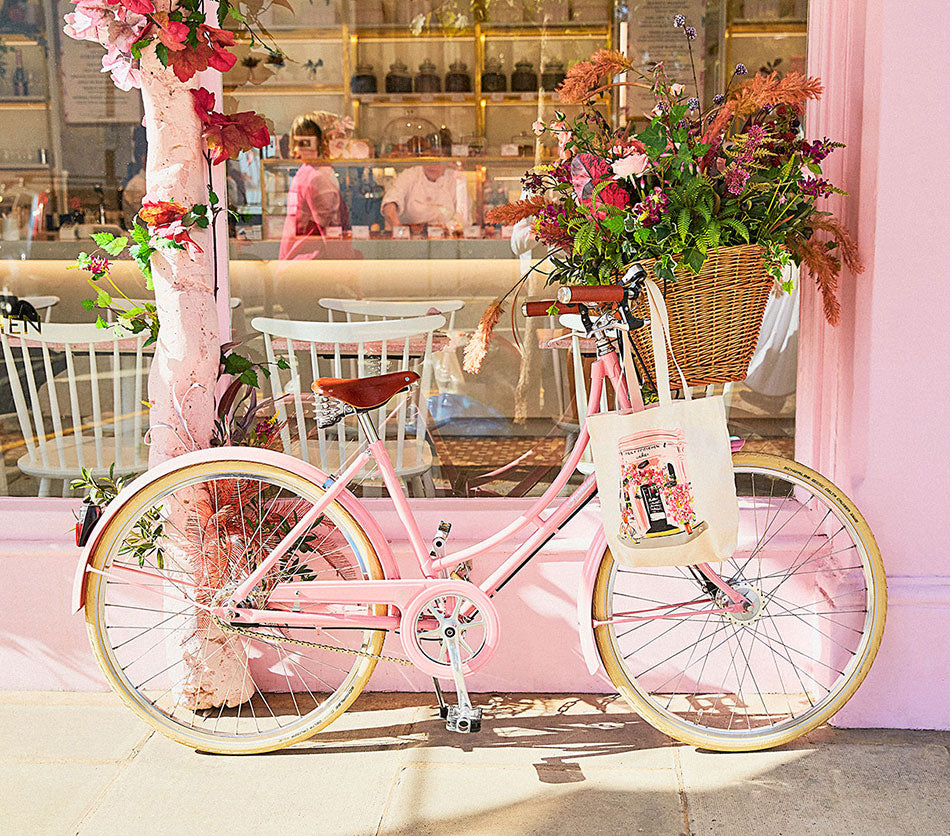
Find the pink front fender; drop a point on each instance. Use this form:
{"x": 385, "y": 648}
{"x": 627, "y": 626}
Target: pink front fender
{"x": 585, "y": 596}
{"x": 251, "y": 454}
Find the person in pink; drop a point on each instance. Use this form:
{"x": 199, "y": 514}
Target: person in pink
{"x": 315, "y": 207}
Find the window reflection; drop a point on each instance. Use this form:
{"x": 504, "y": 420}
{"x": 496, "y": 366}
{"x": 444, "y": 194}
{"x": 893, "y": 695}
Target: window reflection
{"x": 393, "y": 137}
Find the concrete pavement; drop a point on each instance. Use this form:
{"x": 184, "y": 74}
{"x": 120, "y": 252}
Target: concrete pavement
{"x": 80, "y": 763}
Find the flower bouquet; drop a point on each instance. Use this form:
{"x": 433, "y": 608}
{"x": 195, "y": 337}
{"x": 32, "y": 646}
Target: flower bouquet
{"x": 714, "y": 198}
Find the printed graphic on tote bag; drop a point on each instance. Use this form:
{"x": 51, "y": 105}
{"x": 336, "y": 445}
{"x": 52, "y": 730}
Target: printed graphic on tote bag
{"x": 656, "y": 502}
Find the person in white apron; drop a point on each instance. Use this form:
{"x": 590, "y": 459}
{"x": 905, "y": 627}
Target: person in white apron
{"x": 428, "y": 194}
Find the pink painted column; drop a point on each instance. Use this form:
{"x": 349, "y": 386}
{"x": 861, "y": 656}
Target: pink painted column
{"x": 872, "y": 411}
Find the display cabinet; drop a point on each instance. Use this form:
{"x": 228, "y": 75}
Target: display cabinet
{"x": 368, "y": 62}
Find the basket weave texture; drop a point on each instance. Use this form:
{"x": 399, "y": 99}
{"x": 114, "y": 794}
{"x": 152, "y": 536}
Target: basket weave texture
{"x": 715, "y": 315}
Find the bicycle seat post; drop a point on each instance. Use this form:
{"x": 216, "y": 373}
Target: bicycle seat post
{"x": 368, "y": 427}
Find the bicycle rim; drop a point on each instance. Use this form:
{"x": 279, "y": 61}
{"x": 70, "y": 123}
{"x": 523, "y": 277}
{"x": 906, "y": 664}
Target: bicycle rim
{"x": 810, "y": 564}
{"x": 152, "y": 633}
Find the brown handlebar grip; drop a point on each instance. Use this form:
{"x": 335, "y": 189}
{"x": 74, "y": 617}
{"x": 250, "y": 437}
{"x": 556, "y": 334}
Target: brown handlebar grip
{"x": 593, "y": 293}
{"x": 541, "y": 308}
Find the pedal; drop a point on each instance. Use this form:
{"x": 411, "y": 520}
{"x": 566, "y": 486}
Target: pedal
{"x": 463, "y": 720}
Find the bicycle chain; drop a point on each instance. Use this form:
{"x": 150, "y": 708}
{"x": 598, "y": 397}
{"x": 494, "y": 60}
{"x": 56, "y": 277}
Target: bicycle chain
{"x": 244, "y": 631}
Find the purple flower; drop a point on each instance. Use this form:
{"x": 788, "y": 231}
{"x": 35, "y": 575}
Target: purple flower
{"x": 679, "y": 21}
{"x": 741, "y": 69}
{"x": 755, "y": 135}
{"x": 767, "y": 108}
{"x": 817, "y": 187}
{"x": 648, "y": 211}
{"x": 718, "y": 99}
{"x": 692, "y": 103}
{"x": 736, "y": 178}
{"x": 690, "y": 32}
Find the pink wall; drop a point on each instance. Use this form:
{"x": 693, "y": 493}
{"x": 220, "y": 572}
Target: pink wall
{"x": 43, "y": 646}
{"x": 877, "y": 423}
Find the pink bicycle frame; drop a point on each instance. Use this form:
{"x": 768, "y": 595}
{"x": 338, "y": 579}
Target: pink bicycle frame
{"x": 398, "y": 592}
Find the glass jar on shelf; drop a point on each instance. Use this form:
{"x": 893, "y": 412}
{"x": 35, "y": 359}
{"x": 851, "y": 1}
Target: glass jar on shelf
{"x": 398, "y": 79}
{"x": 427, "y": 79}
{"x": 363, "y": 80}
{"x": 493, "y": 79}
{"x": 524, "y": 79}
{"x": 477, "y": 145}
{"x": 410, "y": 135}
{"x": 458, "y": 79}
{"x": 525, "y": 142}
{"x": 552, "y": 75}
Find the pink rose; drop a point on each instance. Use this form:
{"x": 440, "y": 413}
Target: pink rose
{"x": 633, "y": 165}
{"x": 125, "y": 72}
{"x": 538, "y": 127}
{"x": 677, "y": 89}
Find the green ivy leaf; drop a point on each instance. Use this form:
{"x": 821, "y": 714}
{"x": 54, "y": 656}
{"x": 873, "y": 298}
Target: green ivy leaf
{"x": 249, "y": 378}
{"x": 162, "y": 52}
{"x": 88, "y": 304}
{"x": 103, "y": 299}
{"x": 213, "y": 198}
{"x": 115, "y": 246}
{"x": 236, "y": 364}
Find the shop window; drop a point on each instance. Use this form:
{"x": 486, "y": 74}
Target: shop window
{"x": 394, "y": 133}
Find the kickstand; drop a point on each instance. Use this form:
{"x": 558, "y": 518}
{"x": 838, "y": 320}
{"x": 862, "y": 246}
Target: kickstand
{"x": 443, "y": 707}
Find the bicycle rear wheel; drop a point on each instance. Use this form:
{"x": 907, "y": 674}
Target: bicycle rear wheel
{"x": 183, "y": 542}
{"x": 740, "y": 682}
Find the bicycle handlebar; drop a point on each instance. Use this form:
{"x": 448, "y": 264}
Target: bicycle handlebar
{"x": 592, "y": 294}
{"x": 542, "y": 308}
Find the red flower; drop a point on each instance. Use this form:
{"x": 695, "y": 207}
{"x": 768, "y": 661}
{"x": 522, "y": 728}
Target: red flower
{"x": 210, "y": 52}
{"x": 170, "y": 32}
{"x": 228, "y": 135}
{"x": 140, "y": 7}
{"x": 161, "y": 212}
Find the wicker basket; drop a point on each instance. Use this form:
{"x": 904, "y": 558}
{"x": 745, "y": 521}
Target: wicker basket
{"x": 715, "y": 315}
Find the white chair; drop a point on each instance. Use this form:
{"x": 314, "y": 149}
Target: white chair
{"x": 366, "y": 310}
{"x": 42, "y": 304}
{"x": 66, "y": 422}
{"x": 320, "y": 349}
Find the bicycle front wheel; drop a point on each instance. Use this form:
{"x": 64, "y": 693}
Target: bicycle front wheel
{"x": 181, "y": 544}
{"x": 739, "y": 682}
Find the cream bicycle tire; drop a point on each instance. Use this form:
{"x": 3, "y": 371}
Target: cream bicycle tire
{"x": 725, "y": 740}
{"x": 147, "y": 497}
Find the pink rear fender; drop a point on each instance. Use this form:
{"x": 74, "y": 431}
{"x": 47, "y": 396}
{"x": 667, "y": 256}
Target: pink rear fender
{"x": 250, "y": 454}
{"x": 585, "y": 597}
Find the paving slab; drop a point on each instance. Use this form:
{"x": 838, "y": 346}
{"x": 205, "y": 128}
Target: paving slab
{"x": 55, "y": 732}
{"x": 335, "y": 785}
{"x": 49, "y": 798}
{"x": 815, "y": 790}
{"x": 473, "y": 800}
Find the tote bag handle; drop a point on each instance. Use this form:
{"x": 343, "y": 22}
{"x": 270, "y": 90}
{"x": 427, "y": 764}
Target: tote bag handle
{"x": 660, "y": 337}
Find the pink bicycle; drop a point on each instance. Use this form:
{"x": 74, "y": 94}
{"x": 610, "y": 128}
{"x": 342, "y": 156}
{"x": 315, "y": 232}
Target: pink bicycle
{"x": 237, "y": 599}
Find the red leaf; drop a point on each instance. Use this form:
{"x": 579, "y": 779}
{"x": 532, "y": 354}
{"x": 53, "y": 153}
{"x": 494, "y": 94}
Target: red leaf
{"x": 204, "y": 104}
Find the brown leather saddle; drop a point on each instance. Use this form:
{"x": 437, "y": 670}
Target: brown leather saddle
{"x": 365, "y": 392}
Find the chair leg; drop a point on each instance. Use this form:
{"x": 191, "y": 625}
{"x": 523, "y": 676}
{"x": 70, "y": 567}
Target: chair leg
{"x": 67, "y": 491}
{"x": 4, "y": 485}
{"x": 44, "y": 487}
{"x": 428, "y": 484}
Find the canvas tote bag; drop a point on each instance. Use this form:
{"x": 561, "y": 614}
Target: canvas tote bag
{"x": 664, "y": 473}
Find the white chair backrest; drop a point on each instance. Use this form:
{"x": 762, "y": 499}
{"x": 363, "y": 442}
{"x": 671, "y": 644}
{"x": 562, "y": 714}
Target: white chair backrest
{"x": 366, "y": 310}
{"x": 345, "y": 349}
{"x": 78, "y": 406}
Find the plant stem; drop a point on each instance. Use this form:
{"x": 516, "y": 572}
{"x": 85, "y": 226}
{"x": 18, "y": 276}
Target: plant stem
{"x": 214, "y": 231}
{"x": 689, "y": 46}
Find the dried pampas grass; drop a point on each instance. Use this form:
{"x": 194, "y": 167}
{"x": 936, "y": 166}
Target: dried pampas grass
{"x": 477, "y": 346}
